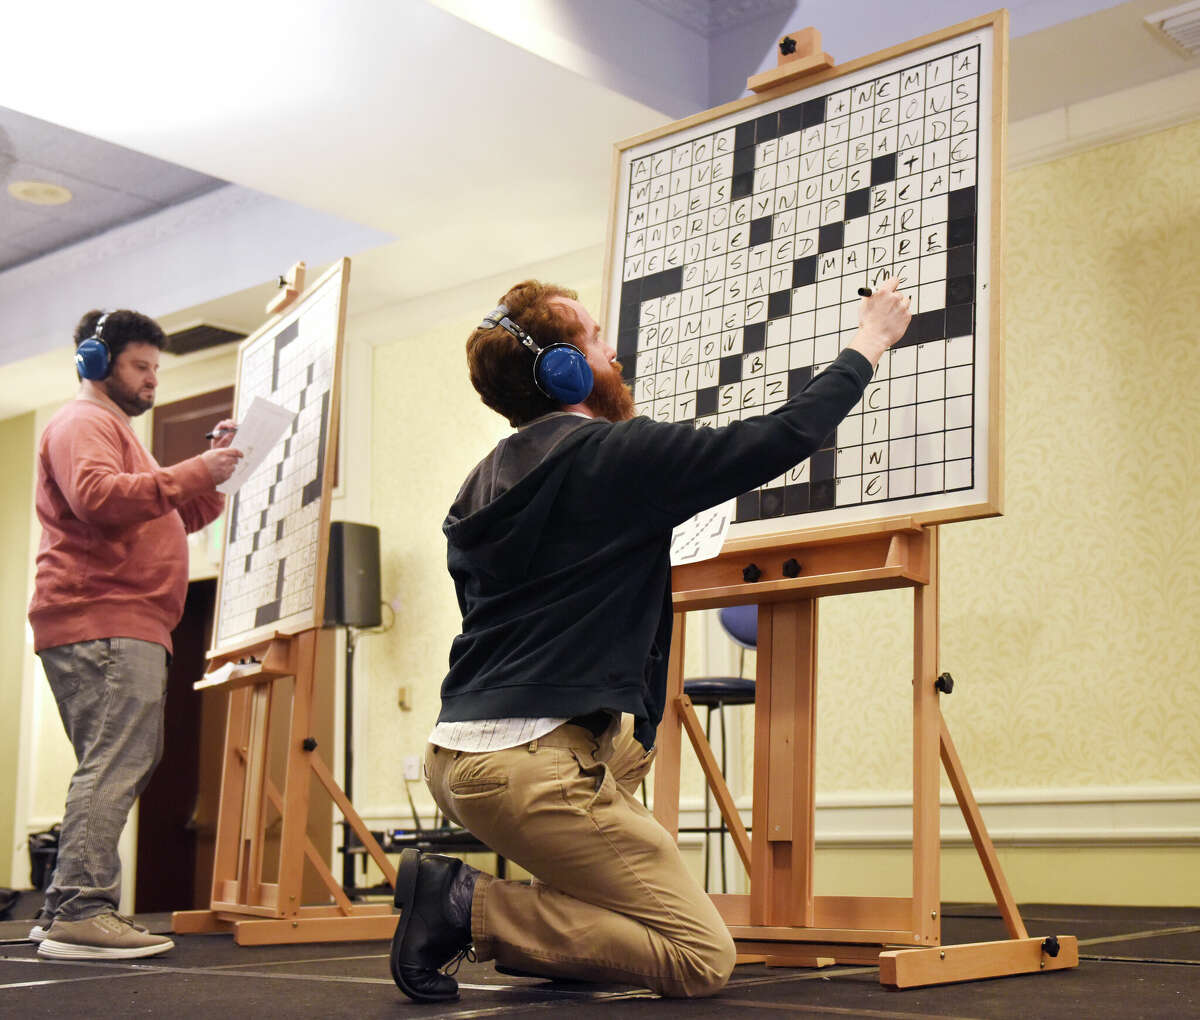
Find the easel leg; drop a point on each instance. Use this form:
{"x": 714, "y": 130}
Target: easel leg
{"x": 983, "y": 842}
{"x": 233, "y": 789}
{"x": 781, "y": 889}
{"x": 927, "y": 716}
{"x": 254, "y": 814}
{"x": 294, "y": 832}
{"x": 670, "y": 738}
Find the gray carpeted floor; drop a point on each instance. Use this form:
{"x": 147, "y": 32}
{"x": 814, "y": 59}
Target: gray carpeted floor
{"x": 1134, "y": 963}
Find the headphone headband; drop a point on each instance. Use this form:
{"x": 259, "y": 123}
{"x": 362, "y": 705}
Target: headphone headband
{"x": 498, "y": 316}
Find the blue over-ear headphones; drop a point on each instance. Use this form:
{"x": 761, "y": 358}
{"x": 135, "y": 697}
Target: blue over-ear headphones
{"x": 560, "y": 370}
{"x": 92, "y": 357}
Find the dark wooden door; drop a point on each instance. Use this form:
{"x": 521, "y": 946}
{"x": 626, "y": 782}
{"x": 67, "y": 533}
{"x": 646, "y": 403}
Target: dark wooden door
{"x": 177, "y": 813}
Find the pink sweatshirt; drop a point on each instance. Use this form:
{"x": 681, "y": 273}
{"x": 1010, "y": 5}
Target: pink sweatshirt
{"x": 113, "y": 560}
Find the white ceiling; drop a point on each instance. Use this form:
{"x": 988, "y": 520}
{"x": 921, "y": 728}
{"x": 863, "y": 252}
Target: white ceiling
{"x": 473, "y": 135}
{"x": 110, "y": 185}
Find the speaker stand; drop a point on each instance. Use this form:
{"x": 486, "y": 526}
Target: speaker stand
{"x": 349, "y": 885}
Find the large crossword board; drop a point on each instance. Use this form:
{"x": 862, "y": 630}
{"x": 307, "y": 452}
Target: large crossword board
{"x": 273, "y": 568}
{"x": 739, "y": 241}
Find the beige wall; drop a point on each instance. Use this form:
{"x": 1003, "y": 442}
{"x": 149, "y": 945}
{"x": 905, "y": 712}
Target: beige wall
{"x": 16, "y": 467}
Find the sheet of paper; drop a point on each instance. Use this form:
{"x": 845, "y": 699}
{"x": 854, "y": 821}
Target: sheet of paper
{"x": 217, "y": 677}
{"x": 263, "y": 427}
{"x": 701, "y": 537}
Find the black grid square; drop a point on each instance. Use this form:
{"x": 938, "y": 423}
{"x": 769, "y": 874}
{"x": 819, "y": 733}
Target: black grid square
{"x": 743, "y": 161}
{"x": 959, "y": 290}
{"x": 771, "y": 503}
{"x": 804, "y": 271}
{"x": 883, "y": 169}
{"x": 766, "y": 127}
{"x": 798, "y": 378}
{"x": 960, "y": 320}
{"x": 830, "y": 237}
{"x": 791, "y": 119}
{"x": 858, "y": 203}
{"x": 814, "y": 112}
{"x": 747, "y": 506}
{"x": 760, "y": 231}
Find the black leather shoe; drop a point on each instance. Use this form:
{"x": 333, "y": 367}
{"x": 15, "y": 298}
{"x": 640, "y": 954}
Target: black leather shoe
{"x": 426, "y": 938}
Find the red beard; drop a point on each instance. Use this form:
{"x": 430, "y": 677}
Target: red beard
{"x": 610, "y": 397}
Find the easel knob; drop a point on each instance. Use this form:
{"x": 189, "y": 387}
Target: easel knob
{"x": 290, "y": 288}
{"x": 944, "y": 683}
{"x": 751, "y": 573}
{"x": 1050, "y": 945}
{"x": 800, "y": 54}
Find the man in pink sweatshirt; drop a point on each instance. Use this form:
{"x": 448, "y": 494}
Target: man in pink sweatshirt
{"x": 111, "y": 582}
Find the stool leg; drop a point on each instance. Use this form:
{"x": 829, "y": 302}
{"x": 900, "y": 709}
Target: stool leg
{"x": 707, "y": 802}
{"x": 722, "y": 832}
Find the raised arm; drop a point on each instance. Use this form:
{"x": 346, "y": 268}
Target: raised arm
{"x": 679, "y": 470}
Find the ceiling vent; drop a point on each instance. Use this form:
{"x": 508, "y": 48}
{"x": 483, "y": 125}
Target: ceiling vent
{"x": 1180, "y": 24}
{"x": 201, "y": 336}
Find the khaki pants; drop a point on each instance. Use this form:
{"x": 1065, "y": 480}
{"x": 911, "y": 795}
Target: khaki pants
{"x": 613, "y": 901}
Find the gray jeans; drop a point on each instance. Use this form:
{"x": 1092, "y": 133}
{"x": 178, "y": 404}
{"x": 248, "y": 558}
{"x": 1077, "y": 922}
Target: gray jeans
{"x": 110, "y": 695}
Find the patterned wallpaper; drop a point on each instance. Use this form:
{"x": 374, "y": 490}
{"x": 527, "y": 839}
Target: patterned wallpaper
{"x": 1070, "y": 623}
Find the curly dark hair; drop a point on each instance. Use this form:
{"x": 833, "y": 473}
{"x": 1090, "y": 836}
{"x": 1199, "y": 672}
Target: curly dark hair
{"x": 501, "y": 368}
{"x": 121, "y": 328}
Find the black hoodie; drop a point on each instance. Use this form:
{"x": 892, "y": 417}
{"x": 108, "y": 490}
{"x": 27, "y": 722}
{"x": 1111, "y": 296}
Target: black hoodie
{"x": 559, "y": 546}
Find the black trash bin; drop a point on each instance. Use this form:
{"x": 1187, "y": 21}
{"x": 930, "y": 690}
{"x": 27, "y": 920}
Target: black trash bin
{"x": 43, "y": 856}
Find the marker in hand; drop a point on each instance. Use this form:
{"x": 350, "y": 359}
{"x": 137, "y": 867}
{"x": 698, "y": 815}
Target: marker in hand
{"x": 864, "y": 291}
{"x": 218, "y": 433}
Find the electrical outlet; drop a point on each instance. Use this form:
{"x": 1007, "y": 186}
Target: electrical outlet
{"x": 412, "y": 767}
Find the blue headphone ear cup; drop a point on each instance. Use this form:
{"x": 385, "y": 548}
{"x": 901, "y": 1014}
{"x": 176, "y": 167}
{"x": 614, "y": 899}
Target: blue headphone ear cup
{"x": 563, "y": 374}
{"x": 91, "y": 359}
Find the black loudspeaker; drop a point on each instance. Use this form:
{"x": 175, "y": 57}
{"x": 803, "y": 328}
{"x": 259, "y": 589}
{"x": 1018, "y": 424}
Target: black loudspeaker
{"x": 352, "y": 591}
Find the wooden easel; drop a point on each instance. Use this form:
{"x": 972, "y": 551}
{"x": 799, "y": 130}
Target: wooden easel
{"x": 782, "y": 921}
{"x": 267, "y": 913}
{"x": 252, "y": 667}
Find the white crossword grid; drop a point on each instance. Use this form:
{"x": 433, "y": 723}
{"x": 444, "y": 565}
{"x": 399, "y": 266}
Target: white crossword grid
{"x": 743, "y": 252}
{"x": 273, "y": 536}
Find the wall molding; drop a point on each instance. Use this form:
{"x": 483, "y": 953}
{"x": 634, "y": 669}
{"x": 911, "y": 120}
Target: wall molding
{"x": 1139, "y": 816}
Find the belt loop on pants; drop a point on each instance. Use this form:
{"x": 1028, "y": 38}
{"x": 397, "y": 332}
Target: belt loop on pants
{"x": 533, "y": 745}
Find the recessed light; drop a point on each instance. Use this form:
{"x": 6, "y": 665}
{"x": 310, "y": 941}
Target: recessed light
{"x": 39, "y": 192}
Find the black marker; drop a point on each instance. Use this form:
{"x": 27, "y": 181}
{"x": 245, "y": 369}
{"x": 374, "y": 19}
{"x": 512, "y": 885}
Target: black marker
{"x": 864, "y": 291}
{"x": 217, "y": 433}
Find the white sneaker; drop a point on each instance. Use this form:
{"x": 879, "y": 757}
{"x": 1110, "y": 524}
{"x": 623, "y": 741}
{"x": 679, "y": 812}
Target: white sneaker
{"x": 107, "y": 936}
{"x": 41, "y": 925}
